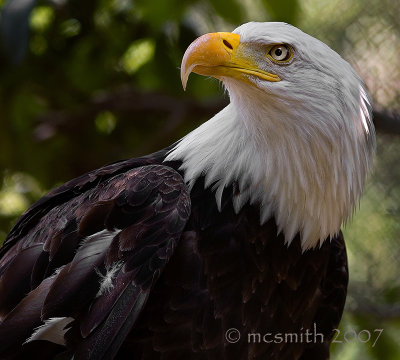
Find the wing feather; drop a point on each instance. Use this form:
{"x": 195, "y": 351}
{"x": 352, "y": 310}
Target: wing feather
{"x": 15, "y": 281}
{"x": 110, "y": 239}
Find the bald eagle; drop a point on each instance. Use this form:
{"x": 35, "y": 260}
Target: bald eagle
{"x": 225, "y": 245}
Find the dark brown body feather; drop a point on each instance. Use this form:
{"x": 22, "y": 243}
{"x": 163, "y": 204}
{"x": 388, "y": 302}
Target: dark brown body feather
{"x": 185, "y": 273}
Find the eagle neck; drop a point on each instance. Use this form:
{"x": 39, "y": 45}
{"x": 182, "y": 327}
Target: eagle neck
{"x": 220, "y": 150}
{"x": 299, "y": 176}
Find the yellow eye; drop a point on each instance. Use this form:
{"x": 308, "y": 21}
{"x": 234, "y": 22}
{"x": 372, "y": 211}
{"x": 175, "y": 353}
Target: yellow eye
{"x": 280, "y": 53}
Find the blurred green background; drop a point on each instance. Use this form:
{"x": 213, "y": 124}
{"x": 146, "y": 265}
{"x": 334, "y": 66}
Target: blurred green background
{"x": 85, "y": 83}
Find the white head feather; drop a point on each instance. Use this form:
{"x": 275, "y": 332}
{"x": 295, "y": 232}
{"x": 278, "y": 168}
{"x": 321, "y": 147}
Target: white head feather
{"x": 300, "y": 147}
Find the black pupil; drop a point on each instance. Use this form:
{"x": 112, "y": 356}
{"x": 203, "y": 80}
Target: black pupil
{"x": 278, "y": 52}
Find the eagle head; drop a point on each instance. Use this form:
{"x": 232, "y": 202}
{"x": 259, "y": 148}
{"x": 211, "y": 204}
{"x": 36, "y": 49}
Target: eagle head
{"x": 297, "y": 135}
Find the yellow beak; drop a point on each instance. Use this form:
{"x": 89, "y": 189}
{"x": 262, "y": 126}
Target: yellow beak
{"x": 219, "y": 55}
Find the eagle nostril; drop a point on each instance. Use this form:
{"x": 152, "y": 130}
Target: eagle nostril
{"x": 227, "y": 44}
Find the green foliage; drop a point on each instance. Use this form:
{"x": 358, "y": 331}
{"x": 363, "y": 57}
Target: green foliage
{"x": 41, "y": 18}
{"x": 232, "y": 12}
{"x": 284, "y": 10}
{"x": 158, "y": 13}
{"x": 138, "y": 54}
{"x": 105, "y": 122}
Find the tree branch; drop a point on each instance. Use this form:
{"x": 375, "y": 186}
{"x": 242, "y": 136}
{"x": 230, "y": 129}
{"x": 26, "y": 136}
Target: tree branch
{"x": 130, "y": 101}
{"x": 127, "y": 100}
{"x": 387, "y": 122}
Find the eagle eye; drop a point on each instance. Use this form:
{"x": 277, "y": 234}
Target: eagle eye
{"x": 280, "y": 53}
